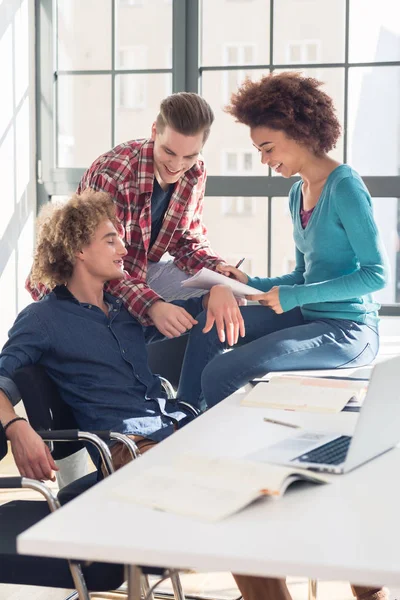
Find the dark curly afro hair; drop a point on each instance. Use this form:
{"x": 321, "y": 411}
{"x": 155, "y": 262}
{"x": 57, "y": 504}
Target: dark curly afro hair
{"x": 291, "y": 103}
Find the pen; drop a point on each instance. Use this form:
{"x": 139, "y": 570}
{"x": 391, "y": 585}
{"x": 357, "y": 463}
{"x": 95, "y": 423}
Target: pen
{"x": 241, "y": 261}
{"x": 275, "y": 422}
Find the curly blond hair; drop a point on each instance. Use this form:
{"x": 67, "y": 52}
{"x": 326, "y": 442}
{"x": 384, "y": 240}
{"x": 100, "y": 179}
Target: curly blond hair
{"x": 63, "y": 230}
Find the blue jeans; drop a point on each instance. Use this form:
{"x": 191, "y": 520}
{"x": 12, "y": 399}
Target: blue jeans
{"x": 284, "y": 342}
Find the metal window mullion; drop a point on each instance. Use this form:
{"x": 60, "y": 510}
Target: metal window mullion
{"x": 113, "y": 53}
{"x": 111, "y": 71}
{"x": 193, "y": 83}
{"x": 44, "y": 94}
{"x": 179, "y": 56}
{"x": 55, "y": 88}
{"x": 270, "y": 66}
{"x": 346, "y": 80}
{"x": 269, "y": 234}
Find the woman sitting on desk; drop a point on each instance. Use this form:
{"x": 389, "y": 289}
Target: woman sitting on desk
{"x": 322, "y": 315}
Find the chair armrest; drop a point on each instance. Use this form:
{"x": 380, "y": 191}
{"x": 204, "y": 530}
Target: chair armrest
{"x": 33, "y": 484}
{"x": 168, "y": 387}
{"x": 95, "y": 438}
{"x": 127, "y": 441}
{"x": 10, "y": 482}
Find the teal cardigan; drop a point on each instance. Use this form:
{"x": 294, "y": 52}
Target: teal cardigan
{"x": 340, "y": 259}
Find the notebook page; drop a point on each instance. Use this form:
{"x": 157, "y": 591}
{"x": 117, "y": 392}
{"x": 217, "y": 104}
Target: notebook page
{"x": 205, "y": 488}
{"x": 310, "y": 394}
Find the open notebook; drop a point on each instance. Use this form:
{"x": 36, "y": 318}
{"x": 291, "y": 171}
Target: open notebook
{"x": 209, "y": 489}
{"x": 205, "y": 279}
{"x": 310, "y": 394}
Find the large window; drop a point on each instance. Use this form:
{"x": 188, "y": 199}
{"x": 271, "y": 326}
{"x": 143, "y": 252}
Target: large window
{"x": 101, "y": 86}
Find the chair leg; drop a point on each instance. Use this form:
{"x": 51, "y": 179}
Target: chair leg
{"x": 177, "y": 586}
{"x": 146, "y": 587}
{"x": 79, "y": 581}
{"x": 312, "y": 589}
{"x": 73, "y": 596}
{"x": 134, "y": 582}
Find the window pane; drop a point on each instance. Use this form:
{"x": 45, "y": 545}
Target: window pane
{"x": 282, "y": 245}
{"x": 228, "y": 137}
{"x": 231, "y": 44}
{"x": 143, "y": 29}
{"x": 333, "y": 84}
{"x": 137, "y": 102}
{"x": 374, "y": 120}
{"x": 311, "y": 31}
{"x": 224, "y": 219}
{"x": 374, "y": 30}
{"x": 386, "y": 212}
{"x": 81, "y": 24}
{"x": 83, "y": 118}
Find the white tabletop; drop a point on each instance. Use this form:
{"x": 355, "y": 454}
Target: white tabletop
{"x": 348, "y": 530}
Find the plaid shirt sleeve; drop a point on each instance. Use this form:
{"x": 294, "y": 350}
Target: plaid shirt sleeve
{"x": 192, "y": 250}
{"x": 38, "y": 290}
{"x": 136, "y": 296}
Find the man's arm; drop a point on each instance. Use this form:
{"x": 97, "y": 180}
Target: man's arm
{"x": 27, "y": 341}
{"x": 31, "y": 455}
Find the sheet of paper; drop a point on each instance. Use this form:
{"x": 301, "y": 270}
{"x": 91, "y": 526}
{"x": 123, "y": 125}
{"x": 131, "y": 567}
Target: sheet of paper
{"x": 361, "y": 373}
{"x": 205, "y": 279}
{"x": 308, "y": 394}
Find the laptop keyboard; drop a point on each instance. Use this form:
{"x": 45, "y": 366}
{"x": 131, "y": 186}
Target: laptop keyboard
{"x": 332, "y": 453}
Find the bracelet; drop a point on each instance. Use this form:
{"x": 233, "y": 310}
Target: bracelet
{"x": 5, "y": 427}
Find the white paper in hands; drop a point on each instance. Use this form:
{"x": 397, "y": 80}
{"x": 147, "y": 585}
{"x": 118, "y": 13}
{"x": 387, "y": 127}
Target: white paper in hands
{"x": 205, "y": 279}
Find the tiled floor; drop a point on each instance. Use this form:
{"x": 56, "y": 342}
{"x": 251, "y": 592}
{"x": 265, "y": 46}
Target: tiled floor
{"x": 214, "y": 585}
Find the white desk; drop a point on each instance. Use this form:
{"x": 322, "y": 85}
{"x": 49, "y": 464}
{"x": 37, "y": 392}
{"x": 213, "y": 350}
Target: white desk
{"x": 349, "y": 530}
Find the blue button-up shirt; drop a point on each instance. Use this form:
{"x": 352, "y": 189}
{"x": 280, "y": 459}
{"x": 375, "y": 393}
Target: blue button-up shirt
{"x": 98, "y": 363}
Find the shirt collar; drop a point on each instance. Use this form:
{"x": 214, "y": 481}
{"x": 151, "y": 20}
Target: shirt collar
{"x": 63, "y": 293}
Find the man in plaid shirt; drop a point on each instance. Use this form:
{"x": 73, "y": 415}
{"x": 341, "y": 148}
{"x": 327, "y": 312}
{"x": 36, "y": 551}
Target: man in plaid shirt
{"x": 158, "y": 187}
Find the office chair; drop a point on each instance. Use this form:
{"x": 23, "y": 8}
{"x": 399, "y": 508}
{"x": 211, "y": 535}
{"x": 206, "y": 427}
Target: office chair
{"x": 50, "y": 416}
{"x": 166, "y": 357}
{"x": 17, "y": 516}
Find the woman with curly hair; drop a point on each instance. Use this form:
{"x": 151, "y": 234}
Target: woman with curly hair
{"x": 322, "y": 315}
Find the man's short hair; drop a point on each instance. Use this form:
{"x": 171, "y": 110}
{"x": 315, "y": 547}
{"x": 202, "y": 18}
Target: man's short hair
{"x": 187, "y": 113}
{"x": 63, "y": 229}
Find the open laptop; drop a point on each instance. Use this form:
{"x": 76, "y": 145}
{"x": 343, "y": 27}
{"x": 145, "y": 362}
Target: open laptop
{"x": 377, "y": 430}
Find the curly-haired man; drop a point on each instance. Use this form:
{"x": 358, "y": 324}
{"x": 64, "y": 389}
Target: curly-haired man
{"x": 88, "y": 342}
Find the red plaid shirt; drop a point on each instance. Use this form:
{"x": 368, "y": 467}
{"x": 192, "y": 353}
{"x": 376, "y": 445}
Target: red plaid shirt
{"x": 127, "y": 174}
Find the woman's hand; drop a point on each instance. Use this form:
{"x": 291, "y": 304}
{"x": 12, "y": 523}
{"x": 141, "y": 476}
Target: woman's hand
{"x": 223, "y": 310}
{"x": 270, "y": 299}
{"x": 231, "y": 271}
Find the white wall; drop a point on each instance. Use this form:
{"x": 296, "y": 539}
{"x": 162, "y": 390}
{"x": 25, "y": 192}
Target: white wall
{"x": 17, "y": 156}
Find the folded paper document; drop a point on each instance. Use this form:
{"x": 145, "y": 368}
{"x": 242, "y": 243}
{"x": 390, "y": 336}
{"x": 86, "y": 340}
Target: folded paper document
{"x": 209, "y": 489}
{"x": 205, "y": 279}
{"x": 310, "y": 394}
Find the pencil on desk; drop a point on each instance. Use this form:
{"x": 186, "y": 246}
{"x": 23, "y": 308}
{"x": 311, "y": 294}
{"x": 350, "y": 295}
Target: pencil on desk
{"x": 275, "y": 422}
